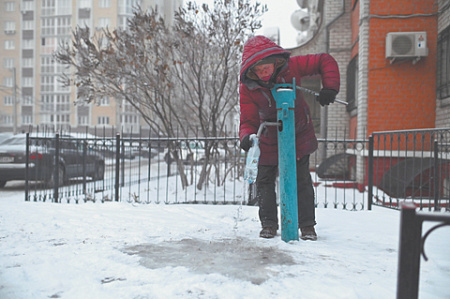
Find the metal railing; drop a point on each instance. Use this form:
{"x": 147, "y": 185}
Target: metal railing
{"x": 146, "y": 170}
{"x": 410, "y": 166}
{"x": 392, "y": 167}
{"x": 185, "y": 170}
{"x": 411, "y": 245}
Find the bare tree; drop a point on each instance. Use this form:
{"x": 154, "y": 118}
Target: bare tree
{"x": 183, "y": 78}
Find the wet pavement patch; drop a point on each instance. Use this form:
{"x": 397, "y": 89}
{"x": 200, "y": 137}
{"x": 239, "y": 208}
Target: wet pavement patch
{"x": 234, "y": 258}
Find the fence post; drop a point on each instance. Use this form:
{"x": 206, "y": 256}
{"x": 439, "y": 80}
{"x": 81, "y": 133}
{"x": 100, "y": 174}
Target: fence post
{"x": 56, "y": 171}
{"x": 409, "y": 253}
{"x": 370, "y": 174}
{"x": 436, "y": 176}
{"x": 117, "y": 182}
{"x": 84, "y": 166}
{"x": 27, "y": 167}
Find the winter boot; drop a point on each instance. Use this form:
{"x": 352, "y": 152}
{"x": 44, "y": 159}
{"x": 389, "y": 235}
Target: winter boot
{"x": 308, "y": 233}
{"x": 268, "y": 232}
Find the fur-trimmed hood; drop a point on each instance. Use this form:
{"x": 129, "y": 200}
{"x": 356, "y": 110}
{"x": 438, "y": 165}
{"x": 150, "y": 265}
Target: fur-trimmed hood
{"x": 255, "y": 49}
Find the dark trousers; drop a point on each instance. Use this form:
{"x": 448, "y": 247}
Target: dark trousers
{"x": 265, "y": 185}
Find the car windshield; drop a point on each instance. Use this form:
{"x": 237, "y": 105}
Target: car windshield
{"x": 14, "y": 141}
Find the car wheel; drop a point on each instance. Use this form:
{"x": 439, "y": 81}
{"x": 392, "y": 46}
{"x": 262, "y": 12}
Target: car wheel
{"x": 2, "y": 184}
{"x": 99, "y": 173}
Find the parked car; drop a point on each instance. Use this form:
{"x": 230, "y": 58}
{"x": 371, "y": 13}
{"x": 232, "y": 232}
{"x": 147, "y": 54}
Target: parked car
{"x": 135, "y": 148}
{"x": 75, "y": 160}
{"x": 193, "y": 151}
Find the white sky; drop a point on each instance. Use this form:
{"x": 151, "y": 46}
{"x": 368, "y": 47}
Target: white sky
{"x": 278, "y": 15}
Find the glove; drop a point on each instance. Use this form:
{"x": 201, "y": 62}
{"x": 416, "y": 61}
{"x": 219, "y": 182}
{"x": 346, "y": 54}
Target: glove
{"x": 327, "y": 96}
{"x": 246, "y": 143}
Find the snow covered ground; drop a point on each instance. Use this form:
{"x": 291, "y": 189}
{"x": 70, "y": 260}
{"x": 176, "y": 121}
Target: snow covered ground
{"x": 124, "y": 250}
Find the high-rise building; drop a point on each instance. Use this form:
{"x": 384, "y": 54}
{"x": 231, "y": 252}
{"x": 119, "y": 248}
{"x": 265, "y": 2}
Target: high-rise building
{"x": 30, "y": 91}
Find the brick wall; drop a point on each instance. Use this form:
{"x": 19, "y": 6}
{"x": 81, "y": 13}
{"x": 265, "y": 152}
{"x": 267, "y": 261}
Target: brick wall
{"x": 340, "y": 47}
{"x": 401, "y": 95}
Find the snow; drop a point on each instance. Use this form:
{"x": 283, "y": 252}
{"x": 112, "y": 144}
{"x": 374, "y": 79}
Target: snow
{"x": 131, "y": 250}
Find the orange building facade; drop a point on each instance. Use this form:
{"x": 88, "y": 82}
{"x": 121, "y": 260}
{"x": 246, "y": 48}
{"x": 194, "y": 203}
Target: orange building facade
{"x": 401, "y": 92}
{"x": 386, "y": 90}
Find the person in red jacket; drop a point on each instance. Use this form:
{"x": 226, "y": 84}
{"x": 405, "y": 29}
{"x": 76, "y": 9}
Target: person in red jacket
{"x": 265, "y": 64}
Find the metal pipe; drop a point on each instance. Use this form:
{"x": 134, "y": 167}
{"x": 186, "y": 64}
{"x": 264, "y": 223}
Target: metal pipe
{"x": 265, "y": 124}
{"x": 317, "y": 94}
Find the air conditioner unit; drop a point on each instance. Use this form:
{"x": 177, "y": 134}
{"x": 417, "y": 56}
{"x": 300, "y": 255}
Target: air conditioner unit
{"x": 406, "y": 44}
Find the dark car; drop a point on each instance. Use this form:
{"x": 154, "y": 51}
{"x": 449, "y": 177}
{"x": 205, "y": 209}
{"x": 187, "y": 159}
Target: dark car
{"x": 75, "y": 160}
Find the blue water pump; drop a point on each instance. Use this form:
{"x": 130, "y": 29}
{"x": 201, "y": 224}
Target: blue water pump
{"x": 284, "y": 95}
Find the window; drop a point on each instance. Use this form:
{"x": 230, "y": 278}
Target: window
{"x": 64, "y": 26}
{"x": 8, "y": 63}
{"x": 28, "y": 5}
{"x": 7, "y": 119}
{"x": 60, "y": 87}
{"x": 83, "y": 120}
{"x": 352, "y": 84}
{"x": 28, "y": 44}
{"x": 443, "y": 73}
{"x": 63, "y": 7}
{"x": 103, "y": 120}
{"x": 10, "y": 27}
{"x": 103, "y": 101}
{"x": 129, "y": 119}
{"x": 123, "y": 22}
{"x": 47, "y": 83}
{"x": 27, "y": 119}
{"x": 10, "y": 6}
{"x": 104, "y": 3}
{"x": 85, "y": 4}
{"x": 48, "y": 7}
{"x": 48, "y": 26}
{"x": 8, "y": 82}
{"x": 28, "y": 62}
{"x": 48, "y": 45}
{"x": 60, "y": 118}
{"x": 10, "y": 45}
{"x": 27, "y": 101}
{"x": 103, "y": 22}
{"x": 127, "y": 6}
{"x": 47, "y": 64}
{"x": 27, "y": 82}
{"x": 8, "y": 101}
{"x": 28, "y": 25}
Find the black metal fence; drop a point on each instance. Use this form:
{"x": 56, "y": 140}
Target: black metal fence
{"x": 175, "y": 170}
{"x": 144, "y": 170}
{"x": 387, "y": 169}
{"x": 411, "y": 245}
{"x": 410, "y": 166}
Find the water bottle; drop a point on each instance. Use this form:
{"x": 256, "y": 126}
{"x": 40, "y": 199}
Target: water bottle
{"x": 251, "y": 166}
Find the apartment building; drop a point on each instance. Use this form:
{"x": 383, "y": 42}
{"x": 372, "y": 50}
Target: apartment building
{"x": 30, "y": 91}
{"x": 394, "y": 60}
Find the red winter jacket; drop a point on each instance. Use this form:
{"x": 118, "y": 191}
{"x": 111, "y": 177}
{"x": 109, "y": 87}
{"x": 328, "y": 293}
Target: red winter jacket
{"x": 258, "y": 105}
